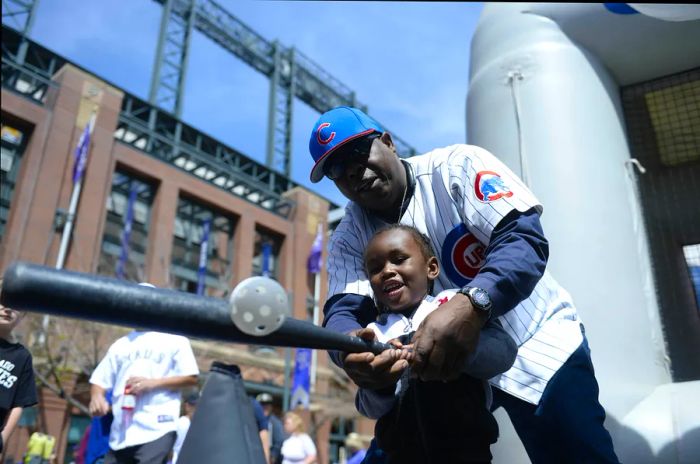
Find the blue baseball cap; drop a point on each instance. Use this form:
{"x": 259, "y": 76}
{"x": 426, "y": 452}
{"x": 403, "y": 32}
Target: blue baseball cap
{"x": 334, "y": 129}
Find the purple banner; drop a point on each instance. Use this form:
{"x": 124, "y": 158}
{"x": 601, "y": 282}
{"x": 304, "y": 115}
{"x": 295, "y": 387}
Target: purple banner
{"x": 313, "y": 263}
{"x": 301, "y": 382}
{"x": 203, "y": 254}
{"x": 81, "y": 153}
{"x": 266, "y": 256}
{"x": 126, "y": 231}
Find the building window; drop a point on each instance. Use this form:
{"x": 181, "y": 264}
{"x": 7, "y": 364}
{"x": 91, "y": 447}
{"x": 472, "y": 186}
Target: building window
{"x": 692, "y": 259}
{"x": 13, "y": 142}
{"x": 196, "y": 224}
{"x": 267, "y": 253}
{"x": 126, "y": 227}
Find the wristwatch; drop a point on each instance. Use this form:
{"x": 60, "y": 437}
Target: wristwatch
{"x": 480, "y": 299}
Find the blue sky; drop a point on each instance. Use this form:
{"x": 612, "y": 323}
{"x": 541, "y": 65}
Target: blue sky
{"x": 407, "y": 61}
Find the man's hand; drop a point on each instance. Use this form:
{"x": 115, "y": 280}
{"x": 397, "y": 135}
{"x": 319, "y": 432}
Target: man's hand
{"x": 374, "y": 371}
{"x": 445, "y": 338}
{"x": 141, "y": 385}
{"x": 98, "y": 406}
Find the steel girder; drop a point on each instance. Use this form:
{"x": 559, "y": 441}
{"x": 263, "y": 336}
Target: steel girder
{"x": 291, "y": 73}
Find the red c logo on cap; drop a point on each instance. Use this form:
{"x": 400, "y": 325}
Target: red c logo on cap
{"x": 318, "y": 134}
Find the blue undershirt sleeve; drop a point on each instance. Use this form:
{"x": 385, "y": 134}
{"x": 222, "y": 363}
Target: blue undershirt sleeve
{"x": 495, "y": 352}
{"x": 515, "y": 260}
{"x": 346, "y": 312}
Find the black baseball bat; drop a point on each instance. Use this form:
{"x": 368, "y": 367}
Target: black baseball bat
{"x": 31, "y": 287}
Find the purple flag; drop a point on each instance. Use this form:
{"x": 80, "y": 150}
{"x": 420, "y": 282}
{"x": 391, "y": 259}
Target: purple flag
{"x": 203, "y": 253}
{"x": 313, "y": 263}
{"x": 266, "y": 255}
{"x": 126, "y": 232}
{"x": 81, "y": 151}
{"x": 301, "y": 382}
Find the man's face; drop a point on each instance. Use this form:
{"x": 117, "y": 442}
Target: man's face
{"x": 373, "y": 176}
{"x": 398, "y": 271}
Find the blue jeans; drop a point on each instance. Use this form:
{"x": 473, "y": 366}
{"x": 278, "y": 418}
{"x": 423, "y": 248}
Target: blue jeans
{"x": 567, "y": 425}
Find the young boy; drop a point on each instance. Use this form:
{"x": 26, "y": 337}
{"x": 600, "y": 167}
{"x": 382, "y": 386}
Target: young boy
{"x": 17, "y": 388}
{"x": 427, "y": 421}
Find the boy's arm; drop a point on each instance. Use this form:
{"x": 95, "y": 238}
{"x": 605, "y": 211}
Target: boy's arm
{"x": 98, "y": 403}
{"x": 495, "y": 352}
{"x": 11, "y": 423}
{"x": 347, "y": 313}
{"x": 375, "y": 403}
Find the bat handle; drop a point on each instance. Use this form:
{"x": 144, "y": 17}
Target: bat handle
{"x": 374, "y": 346}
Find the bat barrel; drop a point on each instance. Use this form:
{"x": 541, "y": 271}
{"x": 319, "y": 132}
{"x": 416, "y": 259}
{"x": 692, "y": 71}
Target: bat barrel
{"x": 31, "y": 287}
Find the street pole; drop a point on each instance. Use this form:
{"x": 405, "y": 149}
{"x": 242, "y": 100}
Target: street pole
{"x": 314, "y": 353}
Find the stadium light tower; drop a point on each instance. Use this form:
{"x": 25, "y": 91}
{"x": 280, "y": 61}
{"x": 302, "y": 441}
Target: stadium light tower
{"x": 20, "y": 14}
{"x": 291, "y": 73}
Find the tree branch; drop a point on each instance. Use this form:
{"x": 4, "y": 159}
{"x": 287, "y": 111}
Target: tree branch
{"x": 58, "y": 391}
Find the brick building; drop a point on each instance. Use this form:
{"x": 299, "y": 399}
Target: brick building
{"x": 179, "y": 179}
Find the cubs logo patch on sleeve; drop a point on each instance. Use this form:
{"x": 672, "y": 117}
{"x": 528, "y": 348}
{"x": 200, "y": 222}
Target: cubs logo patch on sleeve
{"x": 462, "y": 255}
{"x": 489, "y": 186}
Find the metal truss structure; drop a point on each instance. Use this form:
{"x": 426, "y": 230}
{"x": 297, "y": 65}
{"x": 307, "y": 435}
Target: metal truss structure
{"x": 19, "y": 14}
{"x": 291, "y": 73}
{"x": 160, "y": 134}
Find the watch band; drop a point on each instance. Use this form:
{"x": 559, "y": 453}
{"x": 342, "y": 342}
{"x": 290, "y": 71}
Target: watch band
{"x": 480, "y": 299}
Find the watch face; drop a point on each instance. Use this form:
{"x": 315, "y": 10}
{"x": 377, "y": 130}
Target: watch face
{"x": 481, "y": 297}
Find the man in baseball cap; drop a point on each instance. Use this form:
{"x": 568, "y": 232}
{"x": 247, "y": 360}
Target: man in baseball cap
{"x": 461, "y": 197}
{"x": 352, "y": 150}
{"x": 274, "y": 428}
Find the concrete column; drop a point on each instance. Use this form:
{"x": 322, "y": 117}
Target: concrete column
{"x": 50, "y": 191}
{"x": 243, "y": 243}
{"x": 160, "y": 235}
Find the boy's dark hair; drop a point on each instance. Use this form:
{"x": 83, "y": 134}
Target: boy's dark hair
{"x": 420, "y": 238}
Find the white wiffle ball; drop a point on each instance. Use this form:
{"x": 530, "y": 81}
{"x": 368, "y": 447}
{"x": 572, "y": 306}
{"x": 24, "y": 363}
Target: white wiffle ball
{"x": 259, "y": 306}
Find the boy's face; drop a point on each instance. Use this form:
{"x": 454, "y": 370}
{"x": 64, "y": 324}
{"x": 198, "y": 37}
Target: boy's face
{"x": 9, "y": 318}
{"x": 398, "y": 271}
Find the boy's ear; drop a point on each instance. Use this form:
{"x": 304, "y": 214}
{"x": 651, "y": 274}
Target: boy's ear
{"x": 433, "y": 268}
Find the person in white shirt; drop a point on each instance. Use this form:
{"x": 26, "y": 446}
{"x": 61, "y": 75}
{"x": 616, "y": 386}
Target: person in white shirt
{"x": 146, "y": 371}
{"x": 298, "y": 448}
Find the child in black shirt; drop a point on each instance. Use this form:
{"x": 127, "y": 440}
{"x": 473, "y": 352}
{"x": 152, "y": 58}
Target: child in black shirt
{"x": 421, "y": 421}
{"x": 17, "y": 388}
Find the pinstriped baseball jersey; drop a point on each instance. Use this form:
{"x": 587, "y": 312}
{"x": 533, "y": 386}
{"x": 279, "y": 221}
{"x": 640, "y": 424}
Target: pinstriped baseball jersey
{"x": 461, "y": 194}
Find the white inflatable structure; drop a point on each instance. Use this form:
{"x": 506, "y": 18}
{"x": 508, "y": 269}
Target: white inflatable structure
{"x": 544, "y": 96}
